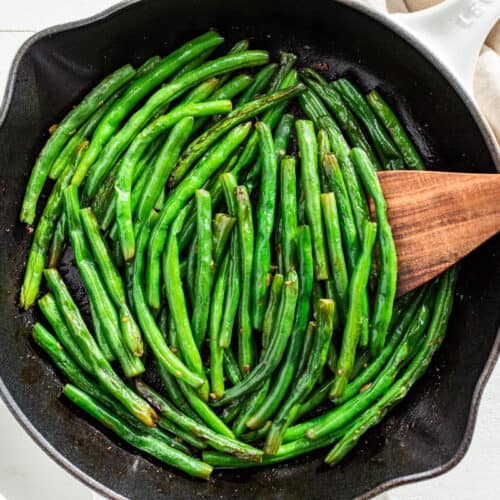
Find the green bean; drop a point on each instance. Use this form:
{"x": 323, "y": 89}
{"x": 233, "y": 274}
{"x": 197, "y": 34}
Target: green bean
{"x": 332, "y": 358}
{"x": 335, "y": 251}
{"x": 295, "y": 349}
{"x": 377, "y": 363}
{"x": 341, "y": 112}
{"x": 48, "y": 306}
{"x": 143, "y": 442}
{"x": 147, "y": 66}
{"x": 272, "y": 309}
{"x": 386, "y": 289}
{"x": 228, "y": 91}
{"x": 180, "y": 434}
{"x": 232, "y": 299}
{"x": 308, "y": 150}
{"x": 78, "y": 378}
{"x": 95, "y": 287}
{"x": 201, "y": 92}
{"x": 297, "y": 431}
{"x": 342, "y": 415}
{"x": 124, "y": 177}
{"x": 232, "y": 295}
{"x": 308, "y": 341}
{"x": 95, "y": 119}
{"x": 288, "y": 205}
{"x": 163, "y": 166}
{"x": 355, "y": 192}
{"x": 250, "y": 152}
{"x": 252, "y": 402}
{"x": 323, "y": 150}
{"x": 160, "y": 201}
{"x": 257, "y": 435}
{"x": 282, "y": 136}
{"x": 186, "y": 235}
{"x": 203, "y": 142}
{"x": 100, "y": 366}
{"x": 360, "y": 363}
{"x": 274, "y": 353}
{"x": 354, "y": 318}
{"x": 58, "y": 243}
{"x": 264, "y": 216}
{"x": 174, "y": 392}
{"x": 396, "y": 130}
{"x": 278, "y": 244}
{"x": 204, "y": 266}
{"x": 137, "y": 91}
{"x": 285, "y": 452}
{"x": 222, "y": 226}
{"x": 328, "y": 287}
{"x": 140, "y": 176}
{"x": 259, "y": 83}
{"x": 386, "y": 149}
{"x": 191, "y": 270}
{"x": 361, "y": 382}
{"x": 246, "y": 241}
{"x": 179, "y": 196}
{"x": 307, "y": 380}
{"x": 43, "y": 235}
{"x": 216, "y": 351}
{"x": 152, "y": 334}
{"x": 335, "y": 182}
{"x": 171, "y": 334}
{"x": 364, "y": 334}
{"x": 301, "y": 205}
{"x": 314, "y": 108}
{"x": 128, "y": 271}
{"x": 231, "y": 368}
{"x": 204, "y": 411}
{"x": 284, "y": 78}
{"x": 418, "y": 365}
{"x": 215, "y": 440}
{"x": 234, "y": 87}
{"x": 113, "y": 281}
{"x": 287, "y": 62}
{"x": 318, "y": 292}
{"x": 402, "y": 303}
{"x": 230, "y": 412}
{"x": 314, "y": 399}
{"x": 83, "y": 133}
{"x": 194, "y": 63}
{"x": 101, "y": 335}
{"x": 163, "y": 96}
{"x": 240, "y": 46}
{"x": 91, "y": 102}
{"x": 177, "y": 305}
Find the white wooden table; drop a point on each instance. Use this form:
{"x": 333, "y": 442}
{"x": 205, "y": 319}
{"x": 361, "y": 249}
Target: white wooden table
{"x": 26, "y": 473}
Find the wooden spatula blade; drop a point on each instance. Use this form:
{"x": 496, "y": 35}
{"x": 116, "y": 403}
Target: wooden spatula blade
{"x": 437, "y": 218}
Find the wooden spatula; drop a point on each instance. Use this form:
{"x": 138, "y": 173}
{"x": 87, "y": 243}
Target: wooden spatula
{"x": 437, "y": 218}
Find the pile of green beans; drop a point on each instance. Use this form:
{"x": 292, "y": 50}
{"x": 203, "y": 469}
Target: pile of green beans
{"x": 238, "y": 266}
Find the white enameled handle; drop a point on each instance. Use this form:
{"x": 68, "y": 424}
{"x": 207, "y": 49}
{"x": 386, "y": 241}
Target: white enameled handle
{"x": 454, "y": 31}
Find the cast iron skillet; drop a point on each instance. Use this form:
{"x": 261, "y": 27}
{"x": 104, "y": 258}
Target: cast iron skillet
{"x": 431, "y": 429}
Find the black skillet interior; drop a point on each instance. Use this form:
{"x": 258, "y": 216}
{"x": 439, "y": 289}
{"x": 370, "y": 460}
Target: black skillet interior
{"x": 433, "y": 426}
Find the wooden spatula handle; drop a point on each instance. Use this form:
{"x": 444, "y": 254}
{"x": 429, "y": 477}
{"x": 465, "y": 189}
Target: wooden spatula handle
{"x": 437, "y": 218}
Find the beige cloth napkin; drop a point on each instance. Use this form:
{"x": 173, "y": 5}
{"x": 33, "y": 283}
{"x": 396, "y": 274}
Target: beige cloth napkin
{"x": 487, "y": 76}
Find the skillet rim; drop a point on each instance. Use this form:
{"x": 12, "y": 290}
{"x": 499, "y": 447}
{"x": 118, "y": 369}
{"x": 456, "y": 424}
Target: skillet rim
{"x": 493, "y": 149}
